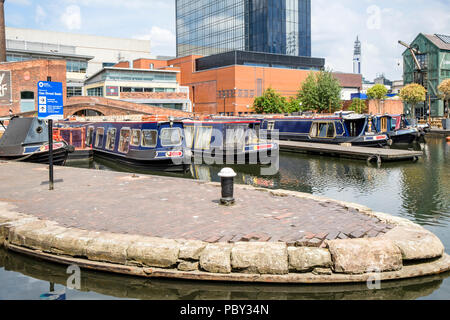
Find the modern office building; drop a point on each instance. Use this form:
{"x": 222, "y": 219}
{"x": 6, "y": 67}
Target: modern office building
{"x": 270, "y": 26}
{"x": 85, "y": 54}
{"x": 155, "y": 87}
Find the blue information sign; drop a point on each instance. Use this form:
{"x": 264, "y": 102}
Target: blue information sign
{"x": 50, "y": 100}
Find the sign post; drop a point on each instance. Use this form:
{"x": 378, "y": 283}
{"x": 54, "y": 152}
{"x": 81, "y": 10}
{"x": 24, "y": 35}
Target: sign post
{"x": 50, "y": 107}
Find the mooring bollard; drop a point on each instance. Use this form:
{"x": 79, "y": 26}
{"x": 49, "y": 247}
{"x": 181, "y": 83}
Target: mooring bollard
{"x": 227, "y": 181}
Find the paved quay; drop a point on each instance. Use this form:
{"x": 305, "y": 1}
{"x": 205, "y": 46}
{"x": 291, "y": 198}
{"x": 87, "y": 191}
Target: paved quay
{"x": 176, "y": 208}
{"x": 155, "y": 226}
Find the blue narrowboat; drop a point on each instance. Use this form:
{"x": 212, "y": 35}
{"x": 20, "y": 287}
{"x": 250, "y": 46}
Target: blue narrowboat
{"x": 396, "y": 127}
{"x": 236, "y": 141}
{"x": 336, "y": 129}
{"x": 154, "y": 143}
{"x": 171, "y": 145}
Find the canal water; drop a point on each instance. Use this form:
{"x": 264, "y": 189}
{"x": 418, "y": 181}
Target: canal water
{"x": 418, "y": 191}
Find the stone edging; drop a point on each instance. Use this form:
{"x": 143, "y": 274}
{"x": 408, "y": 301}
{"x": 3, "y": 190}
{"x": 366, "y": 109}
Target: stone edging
{"x": 350, "y": 260}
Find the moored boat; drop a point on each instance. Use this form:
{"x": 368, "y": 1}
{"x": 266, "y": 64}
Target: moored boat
{"x": 339, "y": 128}
{"x": 236, "y": 141}
{"x": 156, "y": 144}
{"x": 173, "y": 144}
{"x": 26, "y": 139}
{"x": 396, "y": 127}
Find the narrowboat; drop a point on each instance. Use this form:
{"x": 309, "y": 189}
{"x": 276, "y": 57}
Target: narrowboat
{"x": 158, "y": 144}
{"x": 237, "y": 141}
{"x": 341, "y": 127}
{"x": 396, "y": 127}
{"x": 26, "y": 139}
{"x": 174, "y": 144}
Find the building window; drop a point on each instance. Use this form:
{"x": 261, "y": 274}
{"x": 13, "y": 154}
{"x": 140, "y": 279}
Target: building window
{"x": 95, "y": 92}
{"x": 77, "y": 66}
{"x": 74, "y": 91}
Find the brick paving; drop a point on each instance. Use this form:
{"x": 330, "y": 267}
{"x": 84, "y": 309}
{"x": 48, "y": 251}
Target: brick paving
{"x": 176, "y": 208}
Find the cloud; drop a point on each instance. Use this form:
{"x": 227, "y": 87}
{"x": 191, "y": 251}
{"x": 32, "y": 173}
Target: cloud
{"x": 71, "y": 18}
{"x": 163, "y": 41}
{"x": 40, "y": 15}
{"x": 379, "y": 24}
{"x": 20, "y": 2}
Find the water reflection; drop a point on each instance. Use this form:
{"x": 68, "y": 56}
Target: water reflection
{"x": 106, "y": 285}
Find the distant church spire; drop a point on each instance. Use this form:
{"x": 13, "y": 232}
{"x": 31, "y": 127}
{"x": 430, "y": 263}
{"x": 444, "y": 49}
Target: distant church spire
{"x": 357, "y": 57}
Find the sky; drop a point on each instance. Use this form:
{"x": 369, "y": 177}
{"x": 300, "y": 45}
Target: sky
{"x": 379, "y": 24}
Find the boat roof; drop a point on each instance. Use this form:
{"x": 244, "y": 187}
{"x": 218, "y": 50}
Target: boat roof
{"x": 24, "y": 131}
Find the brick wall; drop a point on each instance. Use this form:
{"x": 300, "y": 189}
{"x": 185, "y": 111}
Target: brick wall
{"x": 153, "y": 95}
{"x": 110, "y": 107}
{"x": 25, "y": 76}
{"x": 387, "y": 106}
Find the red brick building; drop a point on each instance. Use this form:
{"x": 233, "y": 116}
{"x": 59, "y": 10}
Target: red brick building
{"x": 19, "y": 83}
{"x": 231, "y": 89}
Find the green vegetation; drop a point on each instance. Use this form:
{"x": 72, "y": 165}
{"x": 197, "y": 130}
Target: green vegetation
{"x": 358, "y": 106}
{"x": 321, "y": 92}
{"x": 377, "y": 92}
{"x": 444, "y": 90}
{"x": 270, "y": 102}
{"x": 412, "y": 94}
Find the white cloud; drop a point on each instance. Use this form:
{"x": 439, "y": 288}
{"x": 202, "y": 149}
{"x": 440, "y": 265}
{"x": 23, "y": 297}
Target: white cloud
{"x": 379, "y": 24}
{"x": 163, "y": 41}
{"x": 20, "y": 2}
{"x": 71, "y": 18}
{"x": 40, "y": 15}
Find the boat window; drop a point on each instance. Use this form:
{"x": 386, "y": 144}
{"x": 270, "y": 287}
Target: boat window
{"x": 189, "y": 135}
{"x": 100, "y": 134}
{"x": 323, "y": 130}
{"x": 111, "y": 139}
{"x": 149, "y": 138}
{"x": 89, "y": 135}
{"x": 384, "y": 124}
{"x": 270, "y": 125}
{"x": 135, "y": 137}
{"x": 170, "y": 137}
{"x": 124, "y": 141}
{"x": 235, "y": 136}
{"x": 203, "y": 140}
{"x": 331, "y": 132}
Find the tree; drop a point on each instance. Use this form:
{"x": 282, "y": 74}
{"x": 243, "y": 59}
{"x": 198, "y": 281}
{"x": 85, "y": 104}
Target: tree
{"x": 377, "y": 92}
{"x": 293, "y": 105}
{"x": 270, "y": 102}
{"x": 320, "y": 91}
{"x": 444, "y": 90}
{"x": 412, "y": 94}
{"x": 358, "y": 105}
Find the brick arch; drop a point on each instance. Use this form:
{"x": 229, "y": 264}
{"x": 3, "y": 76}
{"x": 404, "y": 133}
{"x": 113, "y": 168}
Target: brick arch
{"x": 72, "y": 111}
{"x": 111, "y": 107}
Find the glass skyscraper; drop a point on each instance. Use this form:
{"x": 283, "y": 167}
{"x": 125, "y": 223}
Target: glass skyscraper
{"x": 206, "y": 27}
